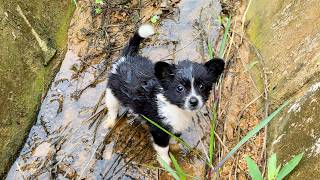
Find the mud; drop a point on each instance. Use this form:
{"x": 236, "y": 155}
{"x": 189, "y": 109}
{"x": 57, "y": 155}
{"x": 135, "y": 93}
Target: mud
{"x": 67, "y": 141}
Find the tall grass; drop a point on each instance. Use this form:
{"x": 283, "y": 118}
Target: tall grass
{"x": 250, "y": 134}
{"x": 212, "y": 129}
{"x": 226, "y": 24}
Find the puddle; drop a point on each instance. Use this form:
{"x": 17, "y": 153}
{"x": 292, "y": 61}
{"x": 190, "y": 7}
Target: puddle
{"x": 65, "y": 143}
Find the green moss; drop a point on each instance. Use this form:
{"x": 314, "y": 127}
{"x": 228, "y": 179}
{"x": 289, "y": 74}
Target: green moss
{"x": 23, "y": 77}
{"x": 61, "y": 38}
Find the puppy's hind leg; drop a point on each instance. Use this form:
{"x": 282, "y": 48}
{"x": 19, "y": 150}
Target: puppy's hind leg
{"x": 113, "y": 106}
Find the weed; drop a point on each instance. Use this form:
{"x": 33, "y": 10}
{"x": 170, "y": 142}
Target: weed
{"x": 98, "y": 9}
{"x": 250, "y": 134}
{"x": 212, "y": 128}
{"x": 154, "y": 19}
{"x": 75, "y": 2}
{"x": 274, "y": 172}
{"x": 226, "y": 24}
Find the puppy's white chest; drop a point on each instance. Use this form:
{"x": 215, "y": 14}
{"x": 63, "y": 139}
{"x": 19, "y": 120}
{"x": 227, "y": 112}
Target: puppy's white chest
{"x": 176, "y": 117}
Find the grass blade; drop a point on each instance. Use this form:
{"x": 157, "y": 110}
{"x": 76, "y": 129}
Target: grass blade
{"x": 225, "y": 36}
{"x": 210, "y": 50}
{"x": 181, "y": 173}
{"x": 168, "y": 168}
{"x": 272, "y": 167}
{"x": 212, "y": 138}
{"x": 250, "y": 134}
{"x": 164, "y": 130}
{"x": 289, "y": 166}
{"x": 250, "y": 66}
{"x": 75, "y": 2}
{"x": 178, "y": 139}
{"x": 253, "y": 169}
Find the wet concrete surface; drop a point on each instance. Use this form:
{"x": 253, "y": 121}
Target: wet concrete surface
{"x": 68, "y": 141}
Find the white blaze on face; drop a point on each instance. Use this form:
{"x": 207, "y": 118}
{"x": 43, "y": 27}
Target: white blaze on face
{"x": 193, "y": 93}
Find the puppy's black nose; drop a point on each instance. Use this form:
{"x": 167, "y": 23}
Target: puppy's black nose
{"x": 193, "y": 101}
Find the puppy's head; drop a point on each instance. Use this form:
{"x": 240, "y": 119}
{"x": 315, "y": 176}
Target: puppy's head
{"x": 188, "y": 84}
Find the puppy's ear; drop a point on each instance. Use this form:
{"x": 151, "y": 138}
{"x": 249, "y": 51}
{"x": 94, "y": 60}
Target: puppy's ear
{"x": 215, "y": 67}
{"x": 164, "y": 70}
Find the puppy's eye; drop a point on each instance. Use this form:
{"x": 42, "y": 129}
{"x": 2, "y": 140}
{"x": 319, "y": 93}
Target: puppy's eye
{"x": 180, "y": 88}
{"x": 201, "y": 86}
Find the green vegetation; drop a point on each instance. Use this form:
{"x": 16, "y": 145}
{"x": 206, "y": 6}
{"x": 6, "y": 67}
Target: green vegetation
{"x": 98, "y": 10}
{"x": 249, "y": 135}
{"x": 274, "y": 171}
{"x": 226, "y": 25}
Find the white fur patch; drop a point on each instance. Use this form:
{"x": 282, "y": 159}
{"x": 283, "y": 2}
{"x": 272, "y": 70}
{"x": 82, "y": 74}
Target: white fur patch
{"x": 176, "y": 117}
{"x": 116, "y": 64}
{"x": 145, "y": 30}
{"x": 162, "y": 153}
{"x": 193, "y": 93}
{"x": 113, "y": 106}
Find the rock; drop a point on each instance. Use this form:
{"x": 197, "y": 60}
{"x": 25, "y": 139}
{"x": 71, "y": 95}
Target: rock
{"x": 24, "y": 78}
{"x": 296, "y": 131}
{"x": 284, "y": 36}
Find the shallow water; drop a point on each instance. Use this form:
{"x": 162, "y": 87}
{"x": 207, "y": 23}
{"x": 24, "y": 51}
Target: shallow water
{"x": 66, "y": 143}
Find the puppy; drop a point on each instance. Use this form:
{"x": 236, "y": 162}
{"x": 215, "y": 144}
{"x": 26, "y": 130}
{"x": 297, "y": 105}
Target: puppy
{"x": 168, "y": 94}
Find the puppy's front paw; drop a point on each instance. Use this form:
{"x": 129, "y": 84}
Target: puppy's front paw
{"x": 166, "y": 159}
{"x": 162, "y": 153}
{"x": 109, "y": 122}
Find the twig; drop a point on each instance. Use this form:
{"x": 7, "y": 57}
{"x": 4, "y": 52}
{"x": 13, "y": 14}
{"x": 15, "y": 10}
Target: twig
{"x": 231, "y": 40}
{"x": 204, "y": 149}
{"x": 86, "y": 166}
{"x": 243, "y": 20}
{"x": 188, "y": 44}
{"x": 247, "y": 106}
{"x": 263, "y": 155}
{"x": 221, "y": 142}
{"x": 21, "y": 172}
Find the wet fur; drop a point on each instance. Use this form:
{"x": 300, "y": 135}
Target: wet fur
{"x": 151, "y": 90}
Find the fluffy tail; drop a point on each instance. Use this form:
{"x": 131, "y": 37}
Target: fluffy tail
{"x": 132, "y": 48}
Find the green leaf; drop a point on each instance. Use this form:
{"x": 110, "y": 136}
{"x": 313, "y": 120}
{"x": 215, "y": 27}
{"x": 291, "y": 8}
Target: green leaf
{"x": 169, "y": 133}
{"x": 75, "y": 2}
{"x": 175, "y": 137}
{"x": 253, "y": 169}
{"x": 225, "y": 36}
{"x": 212, "y": 138}
{"x": 272, "y": 167}
{"x": 250, "y": 134}
{"x": 181, "y": 173}
{"x": 98, "y": 10}
{"x": 168, "y": 168}
{"x": 289, "y": 166}
{"x": 154, "y": 19}
{"x": 249, "y": 66}
{"x": 99, "y": 1}
{"x": 210, "y": 50}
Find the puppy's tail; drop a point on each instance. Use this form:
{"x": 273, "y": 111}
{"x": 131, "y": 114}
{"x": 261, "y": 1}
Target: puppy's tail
{"x": 132, "y": 48}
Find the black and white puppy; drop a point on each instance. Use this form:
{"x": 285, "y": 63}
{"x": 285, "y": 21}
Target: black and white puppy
{"x": 168, "y": 94}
